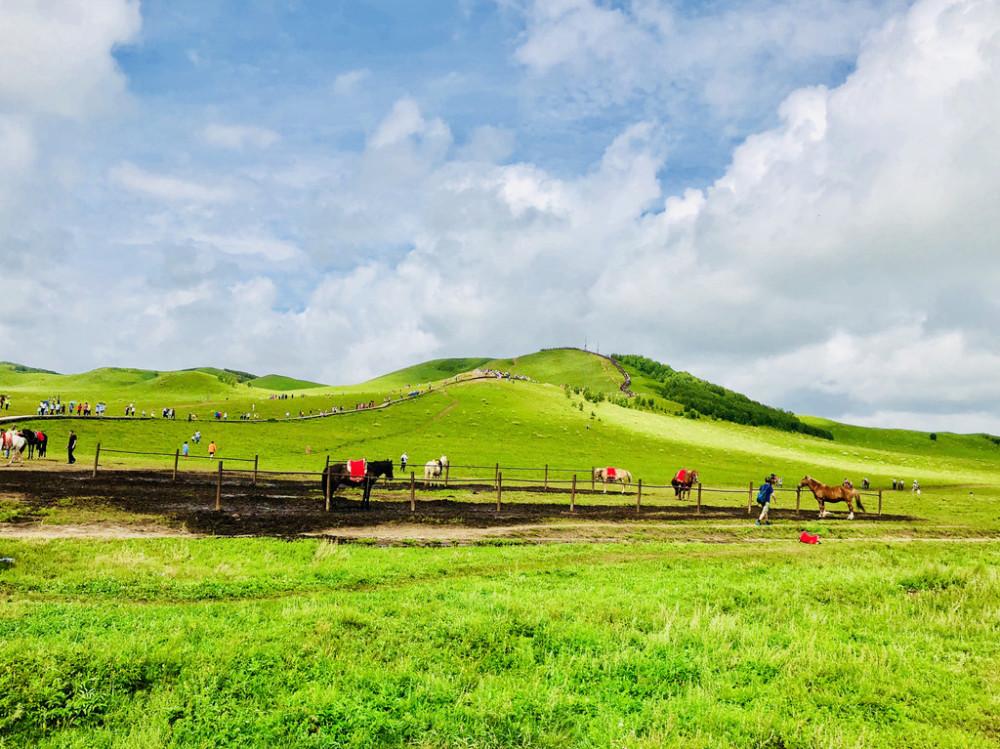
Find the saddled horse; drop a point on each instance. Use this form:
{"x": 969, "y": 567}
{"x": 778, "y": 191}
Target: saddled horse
{"x": 824, "y": 494}
{"x": 339, "y": 474}
{"x": 682, "y": 482}
{"x": 604, "y": 475}
{"x": 35, "y": 440}
{"x": 15, "y": 444}
{"x": 434, "y": 468}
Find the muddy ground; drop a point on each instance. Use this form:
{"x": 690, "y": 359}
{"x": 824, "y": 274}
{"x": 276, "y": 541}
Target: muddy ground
{"x": 144, "y": 503}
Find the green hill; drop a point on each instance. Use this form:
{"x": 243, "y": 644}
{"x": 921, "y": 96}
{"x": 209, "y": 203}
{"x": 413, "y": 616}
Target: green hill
{"x": 430, "y": 371}
{"x": 279, "y": 382}
{"x": 699, "y": 397}
{"x": 482, "y": 422}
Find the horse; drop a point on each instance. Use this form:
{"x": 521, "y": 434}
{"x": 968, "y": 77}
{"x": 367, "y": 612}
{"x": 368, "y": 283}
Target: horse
{"x": 604, "y": 475}
{"x": 434, "y": 468}
{"x": 14, "y": 443}
{"x": 683, "y": 481}
{"x": 824, "y": 493}
{"x": 35, "y": 439}
{"x": 339, "y": 474}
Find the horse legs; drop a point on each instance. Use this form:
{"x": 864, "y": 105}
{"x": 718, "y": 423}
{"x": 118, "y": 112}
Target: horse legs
{"x": 822, "y": 508}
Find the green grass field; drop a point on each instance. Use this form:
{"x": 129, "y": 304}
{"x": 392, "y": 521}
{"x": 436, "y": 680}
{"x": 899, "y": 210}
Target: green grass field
{"x": 709, "y": 633}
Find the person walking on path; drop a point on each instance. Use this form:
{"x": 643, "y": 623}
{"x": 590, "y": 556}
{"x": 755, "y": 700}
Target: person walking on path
{"x": 185, "y": 449}
{"x": 71, "y": 446}
{"x": 211, "y": 449}
{"x": 764, "y": 499}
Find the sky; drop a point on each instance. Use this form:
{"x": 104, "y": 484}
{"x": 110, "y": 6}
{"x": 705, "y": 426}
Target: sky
{"x": 794, "y": 199}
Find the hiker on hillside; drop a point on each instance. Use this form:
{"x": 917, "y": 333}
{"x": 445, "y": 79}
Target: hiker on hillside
{"x": 211, "y": 449}
{"x": 402, "y": 461}
{"x": 764, "y": 498}
{"x": 71, "y": 446}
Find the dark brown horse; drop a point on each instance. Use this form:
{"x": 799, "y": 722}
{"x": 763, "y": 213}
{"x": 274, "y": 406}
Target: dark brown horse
{"x": 35, "y": 440}
{"x": 682, "y": 482}
{"x": 338, "y": 474}
{"x": 824, "y": 494}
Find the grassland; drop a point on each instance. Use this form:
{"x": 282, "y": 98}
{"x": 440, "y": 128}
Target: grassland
{"x": 884, "y": 635}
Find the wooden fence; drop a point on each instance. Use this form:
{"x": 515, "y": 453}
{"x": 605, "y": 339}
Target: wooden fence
{"x": 543, "y": 480}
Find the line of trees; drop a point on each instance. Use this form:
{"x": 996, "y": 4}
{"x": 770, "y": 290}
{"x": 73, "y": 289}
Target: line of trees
{"x": 699, "y": 397}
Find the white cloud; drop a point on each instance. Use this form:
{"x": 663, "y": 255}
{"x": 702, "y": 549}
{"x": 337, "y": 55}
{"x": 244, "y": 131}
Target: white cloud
{"x": 55, "y": 57}
{"x": 238, "y": 137}
{"x": 347, "y": 83}
{"x": 167, "y": 188}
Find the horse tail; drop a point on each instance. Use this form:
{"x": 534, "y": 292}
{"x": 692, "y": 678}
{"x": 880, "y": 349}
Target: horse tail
{"x": 857, "y": 498}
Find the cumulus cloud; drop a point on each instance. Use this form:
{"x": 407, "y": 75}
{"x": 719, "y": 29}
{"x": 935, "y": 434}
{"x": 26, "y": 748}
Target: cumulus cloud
{"x": 55, "y": 57}
{"x": 842, "y": 263}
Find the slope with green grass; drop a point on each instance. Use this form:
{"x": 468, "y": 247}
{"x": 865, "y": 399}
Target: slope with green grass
{"x": 489, "y": 421}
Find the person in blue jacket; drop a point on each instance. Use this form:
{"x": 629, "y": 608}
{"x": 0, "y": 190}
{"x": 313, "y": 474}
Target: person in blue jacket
{"x": 764, "y": 499}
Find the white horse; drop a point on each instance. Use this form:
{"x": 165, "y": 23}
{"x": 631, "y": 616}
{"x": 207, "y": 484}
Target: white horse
{"x": 434, "y": 468}
{"x": 604, "y": 475}
{"x": 14, "y": 443}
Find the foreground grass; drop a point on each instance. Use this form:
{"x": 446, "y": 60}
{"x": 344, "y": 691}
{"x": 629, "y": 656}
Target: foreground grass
{"x": 266, "y": 643}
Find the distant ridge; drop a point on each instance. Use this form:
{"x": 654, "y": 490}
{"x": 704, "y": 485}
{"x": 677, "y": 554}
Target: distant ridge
{"x": 12, "y": 367}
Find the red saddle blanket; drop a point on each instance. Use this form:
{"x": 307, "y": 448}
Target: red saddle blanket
{"x": 356, "y": 470}
{"x": 681, "y": 475}
{"x": 809, "y": 538}
{"x": 610, "y": 472}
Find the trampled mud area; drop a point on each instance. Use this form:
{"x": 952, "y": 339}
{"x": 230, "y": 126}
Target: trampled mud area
{"x": 55, "y": 500}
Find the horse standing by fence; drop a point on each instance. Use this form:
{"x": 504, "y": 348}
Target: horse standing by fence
{"x": 824, "y": 494}
{"x": 35, "y": 439}
{"x": 604, "y": 475}
{"x": 14, "y": 444}
{"x": 340, "y": 474}
{"x": 434, "y": 468}
{"x": 683, "y": 481}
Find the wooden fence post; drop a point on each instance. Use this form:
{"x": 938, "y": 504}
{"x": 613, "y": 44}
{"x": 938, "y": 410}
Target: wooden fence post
{"x": 496, "y": 474}
{"x": 750, "y": 500}
{"x": 698, "y": 511}
{"x": 638, "y": 497}
{"x": 546, "y": 475}
{"x": 879, "y": 501}
{"x": 329, "y": 484}
{"x": 256, "y": 458}
{"x": 592, "y": 469}
{"x": 499, "y": 489}
{"x": 798, "y": 499}
{"x": 413, "y": 491}
{"x": 447, "y": 467}
{"x": 177, "y": 457}
{"x": 218, "y": 490}
{"x": 572, "y": 496}
{"x": 97, "y": 455}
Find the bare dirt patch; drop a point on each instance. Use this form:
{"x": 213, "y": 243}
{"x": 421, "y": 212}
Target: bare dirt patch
{"x": 60, "y": 501}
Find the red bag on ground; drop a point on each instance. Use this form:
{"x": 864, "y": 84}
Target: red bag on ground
{"x": 809, "y": 538}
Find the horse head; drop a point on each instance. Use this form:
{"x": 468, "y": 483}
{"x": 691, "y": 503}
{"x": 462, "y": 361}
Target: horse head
{"x": 807, "y": 481}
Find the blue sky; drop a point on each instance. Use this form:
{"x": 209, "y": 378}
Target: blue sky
{"x": 792, "y": 199}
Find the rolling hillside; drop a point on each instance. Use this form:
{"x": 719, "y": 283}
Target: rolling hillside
{"x": 570, "y": 415}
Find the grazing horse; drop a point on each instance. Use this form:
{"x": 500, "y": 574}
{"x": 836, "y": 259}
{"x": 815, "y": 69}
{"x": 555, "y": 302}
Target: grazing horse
{"x": 824, "y": 493}
{"x": 14, "y": 443}
{"x": 604, "y": 475}
{"x": 35, "y": 439}
{"x": 434, "y": 468}
{"x": 683, "y": 481}
{"x": 340, "y": 474}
